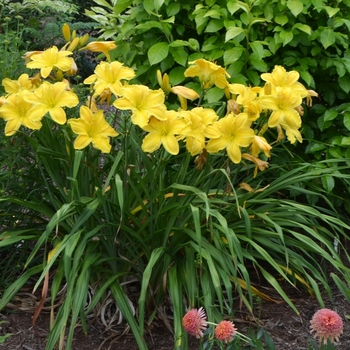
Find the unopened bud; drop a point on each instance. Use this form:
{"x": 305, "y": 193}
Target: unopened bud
{"x": 66, "y": 32}
{"x": 83, "y": 40}
{"x": 72, "y": 46}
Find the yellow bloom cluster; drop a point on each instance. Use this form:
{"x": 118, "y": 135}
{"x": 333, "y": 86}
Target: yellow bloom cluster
{"x": 29, "y": 100}
{"x": 250, "y": 110}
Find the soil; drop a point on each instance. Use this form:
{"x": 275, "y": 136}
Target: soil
{"x": 287, "y": 329}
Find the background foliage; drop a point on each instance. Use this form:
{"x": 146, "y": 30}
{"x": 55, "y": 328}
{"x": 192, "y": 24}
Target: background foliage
{"x": 247, "y": 37}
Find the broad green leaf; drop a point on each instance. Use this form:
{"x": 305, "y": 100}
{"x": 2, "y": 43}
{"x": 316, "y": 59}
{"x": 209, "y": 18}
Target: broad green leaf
{"x": 120, "y": 6}
{"x": 233, "y": 32}
{"x": 336, "y": 152}
{"x": 258, "y": 63}
{"x": 233, "y": 6}
{"x": 345, "y": 141}
{"x": 346, "y": 120}
{"x": 158, "y": 4}
{"x": 148, "y": 5}
{"x": 315, "y": 147}
{"x": 176, "y": 75}
{"x": 286, "y": 36}
{"x": 322, "y": 124}
{"x": 168, "y": 20}
{"x": 158, "y": 52}
{"x": 253, "y": 76}
{"x": 146, "y": 26}
{"x": 330, "y": 115}
{"x": 327, "y": 37}
{"x": 214, "y": 95}
{"x": 194, "y": 44}
{"x": 331, "y": 11}
{"x": 255, "y": 20}
{"x": 213, "y": 13}
{"x": 281, "y": 19}
{"x": 344, "y": 83}
{"x": 214, "y": 26}
{"x": 328, "y": 183}
{"x": 232, "y": 55}
{"x": 173, "y": 8}
{"x": 258, "y": 49}
{"x": 105, "y": 3}
{"x": 179, "y": 43}
{"x": 180, "y": 55}
{"x": 307, "y": 77}
{"x": 303, "y": 27}
{"x": 295, "y": 6}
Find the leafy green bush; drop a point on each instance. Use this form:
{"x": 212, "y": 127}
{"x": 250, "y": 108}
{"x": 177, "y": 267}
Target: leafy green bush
{"x": 247, "y": 38}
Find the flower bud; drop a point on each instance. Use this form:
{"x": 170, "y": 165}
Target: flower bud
{"x": 72, "y": 46}
{"x": 83, "y": 39}
{"x": 66, "y": 32}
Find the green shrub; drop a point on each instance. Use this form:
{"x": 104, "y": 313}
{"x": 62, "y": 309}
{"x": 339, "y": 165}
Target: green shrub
{"x": 247, "y": 38}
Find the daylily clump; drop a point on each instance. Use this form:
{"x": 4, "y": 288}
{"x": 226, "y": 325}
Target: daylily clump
{"x": 251, "y": 111}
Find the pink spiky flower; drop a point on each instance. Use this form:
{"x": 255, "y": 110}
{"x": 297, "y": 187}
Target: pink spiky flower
{"x": 225, "y": 331}
{"x": 327, "y": 324}
{"x": 195, "y": 322}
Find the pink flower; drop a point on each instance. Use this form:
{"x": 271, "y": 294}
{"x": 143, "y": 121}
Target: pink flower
{"x": 327, "y": 324}
{"x": 194, "y": 322}
{"x": 225, "y": 331}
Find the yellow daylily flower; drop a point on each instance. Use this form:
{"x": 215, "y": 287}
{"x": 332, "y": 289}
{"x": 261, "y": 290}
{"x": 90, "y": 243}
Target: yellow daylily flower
{"x": 92, "y": 128}
{"x": 14, "y": 86}
{"x": 235, "y": 133}
{"x": 36, "y": 80}
{"x": 259, "y": 144}
{"x": 109, "y": 76}
{"x": 16, "y": 111}
{"x": 245, "y": 93}
{"x": 310, "y": 94}
{"x": 27, "y": 56}
{"x": 247, "y": 97}
{"x": 281, "y": 78}
{"x": 193, "y": 132}
{"x": 208, "y": 73}
{"x": 259, "y": 164}
{"x": 52, "y": 98}
{"x": 73, "y": 69}
{"x": 283, "y": 105}
{"x": 183, "y": 93}
{"x": 143, "y": 102}
{"x": 49, "y": 59}
{"x": 101, "y": 46}
{"x": 163, "y": 132}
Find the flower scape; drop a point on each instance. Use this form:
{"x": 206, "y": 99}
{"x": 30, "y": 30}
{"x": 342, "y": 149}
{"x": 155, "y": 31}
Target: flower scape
{"x": 251, "y": 111}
